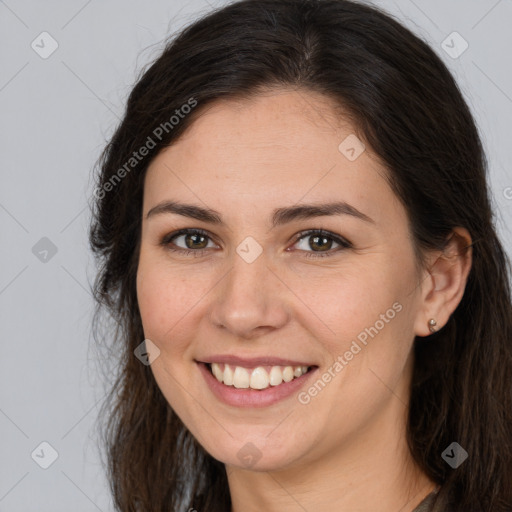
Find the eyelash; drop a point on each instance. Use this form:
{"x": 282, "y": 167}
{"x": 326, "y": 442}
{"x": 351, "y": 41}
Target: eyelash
{"x": 344, "y": 244}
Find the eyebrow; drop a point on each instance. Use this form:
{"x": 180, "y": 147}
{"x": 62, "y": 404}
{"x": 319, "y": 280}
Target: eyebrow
{"x": 280, "y": 216}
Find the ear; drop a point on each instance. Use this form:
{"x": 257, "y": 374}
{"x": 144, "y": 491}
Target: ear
{"x": 444, "y": 282}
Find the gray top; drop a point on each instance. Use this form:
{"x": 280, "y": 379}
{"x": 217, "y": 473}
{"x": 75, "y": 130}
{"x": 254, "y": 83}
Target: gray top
{"x": 426, "y": 504}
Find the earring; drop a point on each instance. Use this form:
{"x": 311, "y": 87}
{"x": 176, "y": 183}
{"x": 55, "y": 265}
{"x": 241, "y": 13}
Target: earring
{"x": 431, "y": 324}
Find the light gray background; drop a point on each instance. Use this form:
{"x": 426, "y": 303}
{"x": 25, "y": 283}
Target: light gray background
{"x": 56, "y": 114}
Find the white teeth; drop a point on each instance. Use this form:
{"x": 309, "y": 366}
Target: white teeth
{"x": 219, "y": 374}
{"x": 276, "y": 376}
{"x": 258, "y": 378}
{"x": 288, "y": 373}
{"x": 227, "y": 375}
{"x": 241, "y": 378}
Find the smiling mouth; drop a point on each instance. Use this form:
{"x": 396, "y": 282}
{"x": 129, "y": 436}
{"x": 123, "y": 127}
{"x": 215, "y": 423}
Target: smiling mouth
{"x": 259, "y": 378}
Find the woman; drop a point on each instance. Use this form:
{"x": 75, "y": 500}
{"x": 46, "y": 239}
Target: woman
{"x": 295, "y": 236}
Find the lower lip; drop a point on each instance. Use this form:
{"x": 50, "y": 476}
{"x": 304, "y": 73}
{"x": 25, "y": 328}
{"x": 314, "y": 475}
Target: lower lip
{"x": 252, "y": 397}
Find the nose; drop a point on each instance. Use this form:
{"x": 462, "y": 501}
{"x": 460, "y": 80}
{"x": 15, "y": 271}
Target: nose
{"x": 251, "y": 299}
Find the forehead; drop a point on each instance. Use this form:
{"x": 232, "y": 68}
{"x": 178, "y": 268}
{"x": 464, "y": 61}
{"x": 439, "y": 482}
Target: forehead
{"x": 279, "y": 147}
{"x": 276, "y": 119}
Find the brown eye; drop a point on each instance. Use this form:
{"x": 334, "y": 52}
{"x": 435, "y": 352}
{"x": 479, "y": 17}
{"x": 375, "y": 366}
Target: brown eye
{"x": 195, "y": 241}
{"x": 320, "y": 242}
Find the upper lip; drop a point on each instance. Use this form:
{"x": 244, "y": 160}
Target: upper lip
{"x": 251, "y": 362}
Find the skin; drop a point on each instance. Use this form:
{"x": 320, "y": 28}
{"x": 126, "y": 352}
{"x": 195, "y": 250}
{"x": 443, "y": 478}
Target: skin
{"x": 346, "y": 448}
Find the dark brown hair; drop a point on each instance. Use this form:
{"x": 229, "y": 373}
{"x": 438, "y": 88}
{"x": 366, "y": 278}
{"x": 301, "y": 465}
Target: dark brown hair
{"x": 406, "y": 106}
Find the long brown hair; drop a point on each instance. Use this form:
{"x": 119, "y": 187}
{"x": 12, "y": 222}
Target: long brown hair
{"x": 407, "y": 107}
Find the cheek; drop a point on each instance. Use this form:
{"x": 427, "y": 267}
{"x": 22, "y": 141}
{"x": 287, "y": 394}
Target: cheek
{"x": 343, "y": 302}
{"x": 172, "y": 301}
{"x": 163, "y": 301}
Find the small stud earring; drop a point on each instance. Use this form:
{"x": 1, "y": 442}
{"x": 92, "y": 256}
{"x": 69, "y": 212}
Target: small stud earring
{"x": 431, "y": 324}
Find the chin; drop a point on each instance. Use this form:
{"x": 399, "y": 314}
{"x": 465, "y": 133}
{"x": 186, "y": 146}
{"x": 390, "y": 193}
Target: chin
{"x": 258, "y": 454}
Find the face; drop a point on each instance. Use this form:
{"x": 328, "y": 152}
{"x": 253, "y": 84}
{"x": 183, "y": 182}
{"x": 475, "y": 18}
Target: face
{"x": 264, "y": 285}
